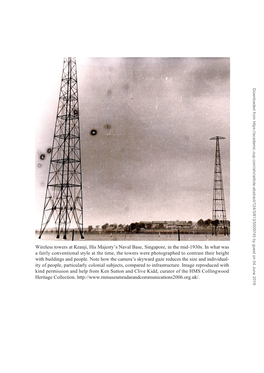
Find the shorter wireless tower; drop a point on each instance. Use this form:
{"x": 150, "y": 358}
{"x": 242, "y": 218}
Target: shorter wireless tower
{"x": 219, "y": 210}
{"x": 63, "y": 199}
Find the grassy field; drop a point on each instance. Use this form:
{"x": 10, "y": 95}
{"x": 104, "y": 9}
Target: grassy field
{"x": 51, "y": 236}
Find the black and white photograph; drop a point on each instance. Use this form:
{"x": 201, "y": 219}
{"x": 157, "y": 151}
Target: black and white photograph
{"x": 135, "y": 149}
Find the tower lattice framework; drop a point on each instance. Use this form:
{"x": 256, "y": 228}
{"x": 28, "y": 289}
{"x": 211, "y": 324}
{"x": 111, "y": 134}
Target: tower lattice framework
{"x": 63, "y": 199}
{"x": 219, "y": 210}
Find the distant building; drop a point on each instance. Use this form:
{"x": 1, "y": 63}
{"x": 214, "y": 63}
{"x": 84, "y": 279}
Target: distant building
{"x": 168, "y": 224}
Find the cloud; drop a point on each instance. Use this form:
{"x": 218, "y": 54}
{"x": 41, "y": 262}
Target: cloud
{"x": 151, "y": 157}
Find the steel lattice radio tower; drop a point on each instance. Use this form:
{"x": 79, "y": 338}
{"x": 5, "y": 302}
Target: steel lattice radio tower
{"x": 63, "y": 199}
{"x": 219, "y": 210}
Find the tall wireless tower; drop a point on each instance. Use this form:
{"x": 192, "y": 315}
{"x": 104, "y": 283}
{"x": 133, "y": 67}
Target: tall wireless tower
{"x": 219, "y": 211}
{"x": 63, "y": 199}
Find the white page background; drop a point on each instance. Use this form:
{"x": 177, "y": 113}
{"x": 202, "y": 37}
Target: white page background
{"x": 214, "y": 324}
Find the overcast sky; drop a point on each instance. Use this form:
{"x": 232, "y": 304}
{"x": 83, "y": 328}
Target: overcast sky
{"x": 151, "y": 158}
